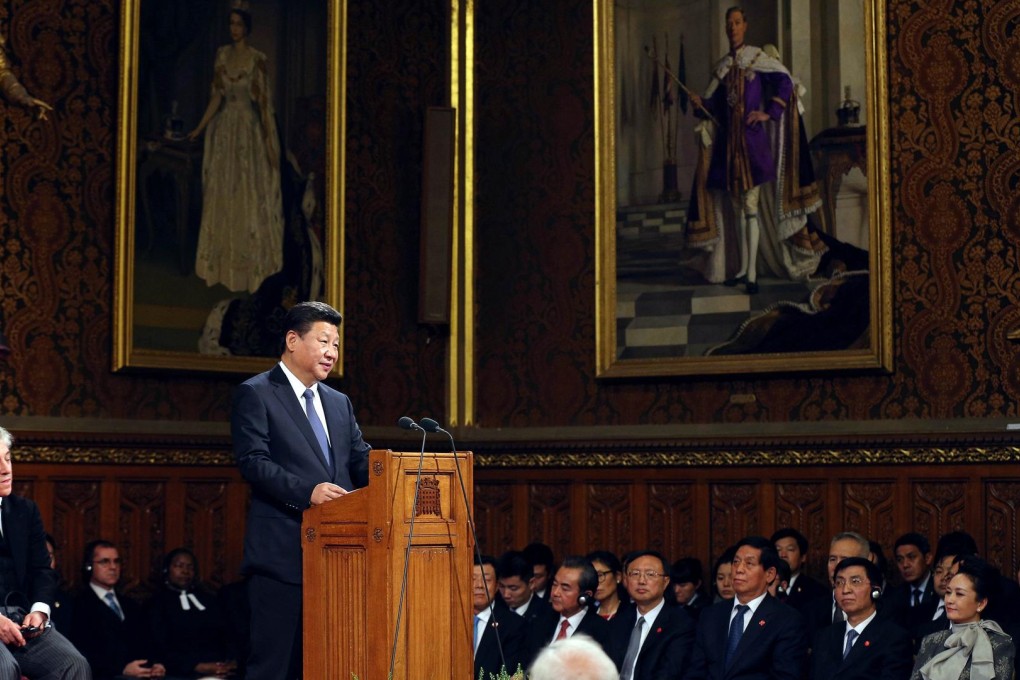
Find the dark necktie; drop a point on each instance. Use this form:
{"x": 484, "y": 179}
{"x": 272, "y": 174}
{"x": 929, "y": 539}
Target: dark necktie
{"x": 633, "y": 647}
{"x": 917, "y": 596}
{"x": 851, "y": 635}
{"x": 112, "y": 602}
{"x": 736, "y": 632}
{"x": 317, "y": 428}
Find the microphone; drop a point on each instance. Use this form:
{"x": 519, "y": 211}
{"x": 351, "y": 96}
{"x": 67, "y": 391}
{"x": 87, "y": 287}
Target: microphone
{"x": 408, "y": 424}
{"x": 432, "y": 426}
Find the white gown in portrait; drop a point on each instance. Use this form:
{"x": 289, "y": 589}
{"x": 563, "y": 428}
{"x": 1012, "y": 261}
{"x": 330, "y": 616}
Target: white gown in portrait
{"x": 240, "y": 242}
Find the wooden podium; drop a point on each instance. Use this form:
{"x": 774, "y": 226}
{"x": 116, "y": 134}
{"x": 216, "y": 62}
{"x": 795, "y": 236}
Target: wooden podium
{"x": 354, "y": 551}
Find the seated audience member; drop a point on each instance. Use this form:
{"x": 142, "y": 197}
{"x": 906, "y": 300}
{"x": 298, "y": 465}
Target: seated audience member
{"x": 610, "y": 573}
{"x": 824, "y": 611}
{"x": 186, "y": 624}
{"x": 792, "y": 547}
{"x": 572, "y": 596}
{"x": 913, "y": 601}
{"x": 542, "y": 566}
{"x": 974, "y": 648}
{"x": 754, "y": 636}
{"x": 879, "y": 559}
{"x": 30, "y": 646}
{"x": 722, "y": 576}
{"x": 685, "y": 580}
{"x": 865, "y": 646}
{"x": 514, "y": 574}
{"x": 499, "y": 634}
{"x": 61, "y": 612}
{"x": 779, "y": 585}
{"x": 108, "y": 629}
{"x": 575, "y": 658}
{"x": 650, "y": 639}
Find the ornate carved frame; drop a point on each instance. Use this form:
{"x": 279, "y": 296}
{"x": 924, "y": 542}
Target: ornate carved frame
{"x": 878, "y": 353}
{"x": 126, "y": 353}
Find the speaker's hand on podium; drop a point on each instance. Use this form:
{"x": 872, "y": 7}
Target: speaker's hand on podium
{"x": 326, "y": 491}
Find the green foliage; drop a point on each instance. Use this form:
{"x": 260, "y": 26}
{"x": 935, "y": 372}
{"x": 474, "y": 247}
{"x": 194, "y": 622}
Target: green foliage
{"x": 503, "y": 675}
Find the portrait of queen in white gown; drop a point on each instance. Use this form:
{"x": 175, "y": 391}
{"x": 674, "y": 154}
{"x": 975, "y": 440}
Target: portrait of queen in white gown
{"x": 240, "y": 240}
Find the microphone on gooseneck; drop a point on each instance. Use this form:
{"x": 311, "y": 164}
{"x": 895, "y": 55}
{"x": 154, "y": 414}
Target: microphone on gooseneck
{"x": 408, "y": 424}
{"x": 432, "y": 426}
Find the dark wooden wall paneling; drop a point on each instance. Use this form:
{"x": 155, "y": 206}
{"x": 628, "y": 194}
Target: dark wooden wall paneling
{"x": 701, "y": 511}
{"x": 146, "y": 510}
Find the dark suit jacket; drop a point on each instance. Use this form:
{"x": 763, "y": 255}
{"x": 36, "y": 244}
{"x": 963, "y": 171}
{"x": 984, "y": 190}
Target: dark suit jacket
{"x": 512, "y": 634}
{"x": 882, "y": 652}
{"x": 927, "y": 628}
{"x": 805, "y": 590}
{"x": 26, "y": 539}
{"x": 543, "y": 632}
{"x": 279, "y": 456}
{"x": 773, "y": 646}
{"x": 695, "y": 608}
{"x": 897, "y": 601}
{"x": 108, "y": 643}
{"x": 666, "y": 651}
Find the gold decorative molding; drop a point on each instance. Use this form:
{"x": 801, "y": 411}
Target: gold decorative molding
{"x": 126, "y": 455}
{"x": 749, "y": 458}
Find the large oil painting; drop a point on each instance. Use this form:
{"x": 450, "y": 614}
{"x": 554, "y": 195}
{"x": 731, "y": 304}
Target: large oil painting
{"x": 230, "y": 176}
{"x": 742, "y": 204}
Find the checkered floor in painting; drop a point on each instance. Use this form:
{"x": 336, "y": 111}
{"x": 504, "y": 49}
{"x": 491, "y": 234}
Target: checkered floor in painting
{"x": 664, "y": 310}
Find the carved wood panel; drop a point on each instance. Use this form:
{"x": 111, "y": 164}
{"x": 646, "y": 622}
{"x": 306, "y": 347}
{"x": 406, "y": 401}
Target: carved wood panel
{"x": 734, "y": 514}
{"x": 140, "y": 532}
{"x": 671, "y": 516}
{"x": 869, "y": 509}
{"x": 494, "y": 517}
{"x": 1002, "y": 503}
{"x": 938, "y": 507}
{"x": 205, "y": 528}
{"x": 549, "y": 516}
{"x": 75, "y": 522}
{"x": 801, "y": 505}
{"x": 609, "y": 519}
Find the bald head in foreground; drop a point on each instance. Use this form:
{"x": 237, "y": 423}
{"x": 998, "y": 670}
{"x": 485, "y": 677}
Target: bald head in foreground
{"x": 577, "y": 657}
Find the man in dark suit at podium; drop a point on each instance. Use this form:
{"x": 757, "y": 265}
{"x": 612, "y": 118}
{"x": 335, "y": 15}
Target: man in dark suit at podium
{"x": 298, "y": 444}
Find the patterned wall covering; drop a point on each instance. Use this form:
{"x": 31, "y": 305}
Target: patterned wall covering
{"x": 955, "y": 132}
{"x": 953, "y": 89}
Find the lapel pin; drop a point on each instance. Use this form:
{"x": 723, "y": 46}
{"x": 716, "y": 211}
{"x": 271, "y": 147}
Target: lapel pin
{"x": 762, "y": 622}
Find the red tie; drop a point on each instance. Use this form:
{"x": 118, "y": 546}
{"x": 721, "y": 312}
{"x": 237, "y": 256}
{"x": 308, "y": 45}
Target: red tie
{"x": 563, "y": 630}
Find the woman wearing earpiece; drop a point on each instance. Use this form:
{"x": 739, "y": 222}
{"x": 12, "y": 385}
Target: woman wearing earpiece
{"x": 186, "y": 622}
{"x": 973, "y": 649}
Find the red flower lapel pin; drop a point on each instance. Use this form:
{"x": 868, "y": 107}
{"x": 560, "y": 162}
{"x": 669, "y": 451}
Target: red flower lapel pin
{"x": 762, "y": 622}
{"x": 658, "y": 630}
{"x": 867, "y": 643}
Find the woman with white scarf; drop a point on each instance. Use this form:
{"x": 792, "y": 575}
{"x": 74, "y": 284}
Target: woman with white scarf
{"x": 972, "y": 649}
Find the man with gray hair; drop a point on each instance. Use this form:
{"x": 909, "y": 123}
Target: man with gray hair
{"x": 824, "y": 611}
{"x": 30, "y": 645}
{"x": 577, "y": 657}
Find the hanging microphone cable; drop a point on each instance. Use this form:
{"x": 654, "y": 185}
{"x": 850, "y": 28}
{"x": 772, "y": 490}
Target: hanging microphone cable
{"x": 432, "y": 426}
{"x": 407, "y": 424}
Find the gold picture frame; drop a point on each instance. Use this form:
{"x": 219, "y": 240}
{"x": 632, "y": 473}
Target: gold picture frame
{"x": 647, "y": 303}
{"x": 159, "y": 300}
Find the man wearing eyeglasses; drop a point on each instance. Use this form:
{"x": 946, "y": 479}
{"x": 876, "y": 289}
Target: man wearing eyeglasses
{"x": 753, "y": 636}
{"x": 649, "y": 639}
{"x": 866, "y": 646}
{"x": 28, "y": 585}
{"x": 108, "y": 628}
